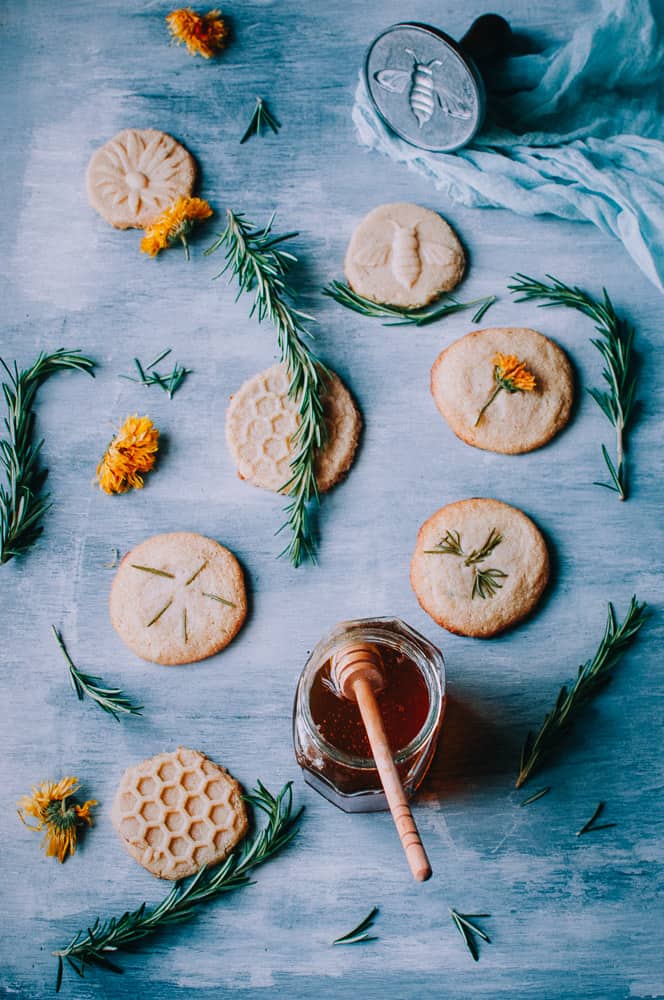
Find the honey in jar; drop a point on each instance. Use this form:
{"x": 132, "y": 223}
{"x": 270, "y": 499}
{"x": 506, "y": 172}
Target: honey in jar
{"x": 331, "y": 744}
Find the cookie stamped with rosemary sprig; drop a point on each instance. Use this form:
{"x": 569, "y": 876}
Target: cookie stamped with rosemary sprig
{"x": 479, "y": 566}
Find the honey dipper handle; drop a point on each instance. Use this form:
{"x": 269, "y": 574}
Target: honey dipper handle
{"x": 389, "y": 776}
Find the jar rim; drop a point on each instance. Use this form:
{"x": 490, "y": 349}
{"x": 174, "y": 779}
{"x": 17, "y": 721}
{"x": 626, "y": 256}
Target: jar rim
{"x": 396, "y": 634}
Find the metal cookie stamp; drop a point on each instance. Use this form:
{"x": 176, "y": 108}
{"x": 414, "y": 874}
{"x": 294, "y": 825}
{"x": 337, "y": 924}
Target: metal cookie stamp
{"x": 426, "y": 87}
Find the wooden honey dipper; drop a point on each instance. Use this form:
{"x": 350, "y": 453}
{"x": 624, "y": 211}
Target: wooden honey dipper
{"x": 359, "y": 675}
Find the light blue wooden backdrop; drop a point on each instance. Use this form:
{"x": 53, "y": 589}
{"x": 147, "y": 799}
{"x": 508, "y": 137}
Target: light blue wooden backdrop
{"x": 571, "y": 917}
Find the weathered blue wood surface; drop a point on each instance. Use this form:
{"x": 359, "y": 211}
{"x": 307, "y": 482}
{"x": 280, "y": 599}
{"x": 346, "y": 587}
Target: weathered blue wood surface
{"x": 571, "y": 917}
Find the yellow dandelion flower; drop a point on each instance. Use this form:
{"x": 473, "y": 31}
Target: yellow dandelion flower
{"x": 133, "y": 450}
{"x": 511, "y": 375}
{"x": 203, "y": 34}
{"x": 54, "y": 806}
{"x": 174, "y": 224}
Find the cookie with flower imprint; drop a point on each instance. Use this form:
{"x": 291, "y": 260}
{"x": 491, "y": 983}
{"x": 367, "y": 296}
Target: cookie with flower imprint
{"x": 479, "y": 566}
{"x": 262, "y": 422}
{"x": 178, "y": 598}
{"x": 137, "y": 175}
{"x": 504, "y": 389}
{"x": 404, "y": 255}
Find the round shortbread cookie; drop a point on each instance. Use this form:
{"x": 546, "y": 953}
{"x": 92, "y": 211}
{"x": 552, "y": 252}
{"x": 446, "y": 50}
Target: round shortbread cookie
{"x": 179, "y": 811}
{"x": 462, "y": 380}
{"x": 178, "y": 598}
{"x": 470, "y": 593}
{"x": 404, "y": 255}
{"x": 262, "y": 419}
{"x": 136, "y": 175}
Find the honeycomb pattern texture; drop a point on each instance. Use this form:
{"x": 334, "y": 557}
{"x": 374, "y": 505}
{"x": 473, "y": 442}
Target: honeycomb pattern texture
{"x": 178, "y": 811}
{"x": 136, "y": 175}
{"x": 262, "y": 419}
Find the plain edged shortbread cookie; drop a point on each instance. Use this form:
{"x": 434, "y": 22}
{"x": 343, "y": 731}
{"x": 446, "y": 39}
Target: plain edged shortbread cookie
{"x": 178, "y": 811}
{"x": 177, "y": 598}
{"x": 262, "y": 419}
{"x": 479, "y": 566}
{"x": 138, "y": 174}
{"x": 462, "y": 380}
{"x": 404, "y": 255}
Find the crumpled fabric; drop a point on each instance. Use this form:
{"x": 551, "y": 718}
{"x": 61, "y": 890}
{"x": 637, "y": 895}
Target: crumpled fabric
{"x": 576, "y": 132}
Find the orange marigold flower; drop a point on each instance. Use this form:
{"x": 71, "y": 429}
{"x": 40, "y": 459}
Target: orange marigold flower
{"x": 54, "y": 806}
{"x": 510, "y": 374}
{"x": 203, "y": 34}
{"x": 133, "y": 450}
{"x": 174, "y": 224}
{"x": 513, "y": 374}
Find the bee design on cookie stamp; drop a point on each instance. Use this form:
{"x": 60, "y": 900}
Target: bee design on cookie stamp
{"x": 406, "y": 253}
{"x": 424, "y": 92}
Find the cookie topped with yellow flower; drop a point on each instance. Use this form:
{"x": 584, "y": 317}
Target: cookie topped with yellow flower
{"x": 504, "y": 389}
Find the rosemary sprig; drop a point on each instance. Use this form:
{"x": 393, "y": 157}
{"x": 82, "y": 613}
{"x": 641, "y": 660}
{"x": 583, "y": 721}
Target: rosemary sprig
{"x": 112, "y": 700}
{"x": 615, "y": 341}
{"x": 22, "y": 503}
{"x": 479, "y": 555}
{"x": 591, "y": 825}
{"x": 467, "y": 930}
{"x": 485, "y": 581}
{"x": 403, "y": 316}
{"x": 261, "y": 120}
{"x": 591, "y": 676}
{"x": 257, "y": 259}
{"x": 361, "y": 932}
{"x": 116, "y": 933}
{"x": 169, "y": 383}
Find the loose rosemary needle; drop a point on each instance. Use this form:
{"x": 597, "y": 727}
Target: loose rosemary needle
{"x": 467, "y": 929}
{"x": 257, "y": 259}
{"x": 111, "y": 700}
{"x": 614, "y": 342}
{"x": 147, "y": 376}
{"x": 591, "y": 825}
{"x": 402, "y": 316}
{"x": 360, "y": 933}
{"x": 591, "y": 676}
{"x": 261, "y": 120}
{"x": 108, "y": 936}
{"x": 22, "y": 503}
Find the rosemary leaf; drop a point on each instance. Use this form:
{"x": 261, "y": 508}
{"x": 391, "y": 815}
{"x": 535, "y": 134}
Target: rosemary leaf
{"x": 196, "y": 572}
{"x": 258, "y": 261}
{"x": 181, "y": 903}
{"x": 591, "y": 825}
{"x": 590, "y": 677}
{"x": 361, "y": 932}
{"x": 22, "y": 502}
{"x": 467, "y": 930}
{"x": 614, "y": 343}
{"x": 111, "y": 700}
{"x": 215, "y": 597}
{"x": 150, "y": 569}
{"x": 261, "y": 119}
{"x": 537, "y": 795}
{"x": 403, "y": 316}
{"x": 169, "y": 383}
{"x": 160, "y": 613}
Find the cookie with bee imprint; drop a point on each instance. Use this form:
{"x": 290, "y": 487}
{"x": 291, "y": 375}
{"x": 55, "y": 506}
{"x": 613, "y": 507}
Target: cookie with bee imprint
{"x": 404, "y": 255}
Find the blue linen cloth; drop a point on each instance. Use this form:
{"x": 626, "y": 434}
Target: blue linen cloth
{"x": 579, "y": 134}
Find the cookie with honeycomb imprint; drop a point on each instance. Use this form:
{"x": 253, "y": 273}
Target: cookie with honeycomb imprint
{"x": 178, "y": 598}
{"x": 136, "y": 175}
{"x": 179, "y": 811}
{"x": 262, "y": 420}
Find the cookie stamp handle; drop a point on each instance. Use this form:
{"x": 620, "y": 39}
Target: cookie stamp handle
{"x": 358, "y": 672}
{"x": 488, "y": 37}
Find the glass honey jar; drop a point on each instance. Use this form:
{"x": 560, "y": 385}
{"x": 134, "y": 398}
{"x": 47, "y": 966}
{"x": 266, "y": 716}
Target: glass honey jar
{"x": 330, "y": 742}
